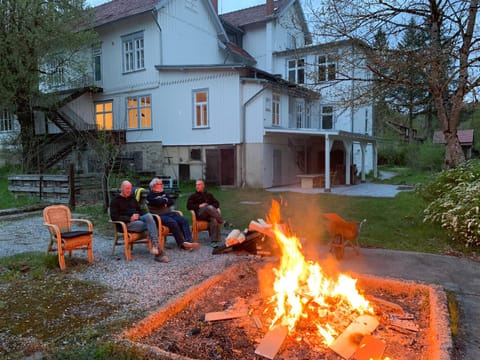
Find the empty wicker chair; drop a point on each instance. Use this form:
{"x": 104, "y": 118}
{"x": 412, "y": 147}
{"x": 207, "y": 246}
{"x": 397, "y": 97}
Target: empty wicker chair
{"x": 63, "y": 238}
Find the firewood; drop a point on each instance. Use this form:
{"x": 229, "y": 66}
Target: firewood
{"x": 272, "y": 341}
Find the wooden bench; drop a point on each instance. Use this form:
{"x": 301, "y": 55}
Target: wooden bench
{"x": 310, "y": 181}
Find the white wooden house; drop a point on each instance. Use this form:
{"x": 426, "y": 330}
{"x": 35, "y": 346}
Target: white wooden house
{"x": 198, "y": 95}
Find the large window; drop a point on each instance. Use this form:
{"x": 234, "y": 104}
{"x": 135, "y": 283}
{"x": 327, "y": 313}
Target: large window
{"x": 104, "y": 115}
{"x": 139, "y": 111}
{"x": 200, "y": 108}
{"x": 327, "y": 117}
{"x": 133, "y": 52}
{"x": 6, "y": 121}
{"x": 326, "y": 68}
{"x": 296, "y": 71}
{"x": 299, "y": 113}
{"x": 275, "y": 109}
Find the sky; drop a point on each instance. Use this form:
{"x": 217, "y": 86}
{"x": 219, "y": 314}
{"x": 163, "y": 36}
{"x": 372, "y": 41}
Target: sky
{"x": 223, "y": 5}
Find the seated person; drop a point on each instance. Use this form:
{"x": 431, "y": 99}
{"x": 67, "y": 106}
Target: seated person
{"x": 159, "y": 203}
{"x": 206, "y": 209}
{"x": 124, "y": 207}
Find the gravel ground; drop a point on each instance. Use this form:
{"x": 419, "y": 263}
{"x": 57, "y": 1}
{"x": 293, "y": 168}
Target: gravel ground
{"x": 141, "y": 284}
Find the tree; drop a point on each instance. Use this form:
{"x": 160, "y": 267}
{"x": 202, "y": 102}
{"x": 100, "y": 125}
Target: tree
{"x": 41, "y": 42}
{"x": 447, "y": 62}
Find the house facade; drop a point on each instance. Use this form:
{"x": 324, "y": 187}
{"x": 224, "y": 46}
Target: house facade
{"x": 224, "y": 97}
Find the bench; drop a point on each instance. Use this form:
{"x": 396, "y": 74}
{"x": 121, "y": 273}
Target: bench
{"x": 310, "y": 181}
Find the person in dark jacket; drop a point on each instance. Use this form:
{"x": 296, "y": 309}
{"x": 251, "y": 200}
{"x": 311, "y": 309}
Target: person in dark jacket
{"x": 124, "y": 207}
{"x": 206, "y": 209}
{"x": 160, "y": 203}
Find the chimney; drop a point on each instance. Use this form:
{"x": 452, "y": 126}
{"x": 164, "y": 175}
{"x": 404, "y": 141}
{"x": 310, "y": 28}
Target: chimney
{"x": 215, "y": 5}
{"x": 269, "y": 8}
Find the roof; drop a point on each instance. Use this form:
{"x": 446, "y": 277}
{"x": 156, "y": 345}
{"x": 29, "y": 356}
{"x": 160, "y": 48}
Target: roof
{"x": 121, "y": 9}
{"x": 465, "y": 137}
{"x": 254, "y": 14}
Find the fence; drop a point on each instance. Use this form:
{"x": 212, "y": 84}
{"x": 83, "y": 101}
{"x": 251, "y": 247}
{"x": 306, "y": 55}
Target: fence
{"x": 62, "y": 189}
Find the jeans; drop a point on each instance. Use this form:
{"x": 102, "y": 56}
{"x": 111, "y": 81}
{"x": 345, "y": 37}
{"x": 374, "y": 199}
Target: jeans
{"x": 178, "y": 226}
{"x": 210, "y": 213}
{"x": 145, "y": 222}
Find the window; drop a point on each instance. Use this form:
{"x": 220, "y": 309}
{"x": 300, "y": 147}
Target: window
{"x": 6, "y": 121}
{"x": 200, "y": 108}
{"x": 308, "y": 116}
{"x": 195, "y": 154}
{"x": 139, "y": 112}
{"x": 133, "y": 52}
{"x": 104, "y": 115}
{"x": 97, "y": 64}
{"x": 275, "y": 109}
{"x": 326, "y": 68}
{"x": 327, "y": 117}
{"x": 296, "y": 71}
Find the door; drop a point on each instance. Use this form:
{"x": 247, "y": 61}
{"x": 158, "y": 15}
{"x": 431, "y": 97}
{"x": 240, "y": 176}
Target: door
{"x": 220, "y": 166}
{"x": 277, "y": 167}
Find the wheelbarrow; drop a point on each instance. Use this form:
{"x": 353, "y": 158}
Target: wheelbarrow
{"x": 342, "y": 233}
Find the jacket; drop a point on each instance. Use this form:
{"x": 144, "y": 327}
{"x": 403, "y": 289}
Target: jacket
{"x": 198, "y": 198}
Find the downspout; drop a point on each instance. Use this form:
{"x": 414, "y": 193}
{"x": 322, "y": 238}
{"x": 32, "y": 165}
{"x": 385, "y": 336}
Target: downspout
{"x": 244, "y": 135}
{"x": 155, "y": 18}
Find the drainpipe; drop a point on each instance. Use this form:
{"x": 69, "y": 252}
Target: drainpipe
{"x": 155, "y": 18}
{"x": 243, "y": 171}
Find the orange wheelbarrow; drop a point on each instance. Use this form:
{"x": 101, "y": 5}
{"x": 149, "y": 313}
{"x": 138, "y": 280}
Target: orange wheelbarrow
{"x": 342, "y": 233}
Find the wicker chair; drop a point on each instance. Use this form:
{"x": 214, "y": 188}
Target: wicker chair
{"x": 128, "y": 238}
{"x": 198, "y": 225}
{"x": 63, "y": 239}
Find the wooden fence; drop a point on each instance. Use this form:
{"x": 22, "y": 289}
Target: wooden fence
{"x": 63, "y": 189}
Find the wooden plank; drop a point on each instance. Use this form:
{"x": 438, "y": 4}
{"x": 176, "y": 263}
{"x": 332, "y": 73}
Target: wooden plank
{"x": 348, "y": 341}
{"x": 370, "y": 348}
{"x": 272, "y": 341}
{"x": 224, "y": 315}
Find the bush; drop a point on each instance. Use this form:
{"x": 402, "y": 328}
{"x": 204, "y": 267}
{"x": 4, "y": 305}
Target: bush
{"x": 454, "y": 198}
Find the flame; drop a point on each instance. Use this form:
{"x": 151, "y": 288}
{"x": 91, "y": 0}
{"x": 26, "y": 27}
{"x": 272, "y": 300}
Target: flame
{"x": 303, "y": 291}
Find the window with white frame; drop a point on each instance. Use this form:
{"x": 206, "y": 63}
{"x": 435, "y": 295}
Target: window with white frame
{"x": 275, "y": 109}
{"x": 296, "y": 71}
{"x": 6, "y": 121}
{"x": 327, "y": 117}
{"x": 104, "y": 115}
{"x": 308, "y": 115}
{"x": 200, "y": 108}
{"x": 133, "y": 52}
{"x": 139, "y": 112}
{"x": 327, "y": 68}
{"x": 97, "y": 64}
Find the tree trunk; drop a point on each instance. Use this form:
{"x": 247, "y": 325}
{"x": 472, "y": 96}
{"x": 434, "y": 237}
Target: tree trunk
{"x": 453, "y": 150}
{"x": 25, "y": 118}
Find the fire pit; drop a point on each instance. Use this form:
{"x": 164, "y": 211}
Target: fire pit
{"x": 293, "y": 308}
{"x": 412, "y": 319}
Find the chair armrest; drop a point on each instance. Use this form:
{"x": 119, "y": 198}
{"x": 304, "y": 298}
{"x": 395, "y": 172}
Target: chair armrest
{"x": 194, "y": 216}
{"x": 53, "y": 229}
{"x": 121, "y": 223}
{"x": 84, "y": 221}
{"x": 178, "y": 211}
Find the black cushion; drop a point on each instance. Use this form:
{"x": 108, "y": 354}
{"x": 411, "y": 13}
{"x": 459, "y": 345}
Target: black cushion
{"x": 72, "y": 234}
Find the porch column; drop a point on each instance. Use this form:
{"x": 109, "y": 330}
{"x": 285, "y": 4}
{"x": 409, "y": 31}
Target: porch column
{"x": 362, "y": 147}
{"x": 375, "y": 159}
{"x": 348, "y": 160}
{"x": 327, "y": 164}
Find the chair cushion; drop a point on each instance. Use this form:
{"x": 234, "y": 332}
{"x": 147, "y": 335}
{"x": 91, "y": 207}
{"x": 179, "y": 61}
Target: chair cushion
{"x": 73, "y": 234}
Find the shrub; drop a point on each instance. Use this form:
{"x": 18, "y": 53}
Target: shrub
{"x": 454, "y": 198}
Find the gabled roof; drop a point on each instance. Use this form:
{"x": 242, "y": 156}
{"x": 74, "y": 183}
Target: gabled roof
{"x": 240, "y": 53}
{"x": 465, "y": 137}
{"x": 258, "y": 14}
{"x": 121, "y": 9}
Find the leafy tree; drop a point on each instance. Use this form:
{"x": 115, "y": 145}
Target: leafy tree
{"x": 447, "y": 63}
{"x": 41, "y": 46}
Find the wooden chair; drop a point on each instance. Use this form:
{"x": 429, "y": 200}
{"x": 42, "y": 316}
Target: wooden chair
{"x": 198, "y": 225}
{"x": 59, "y": 222}
{"x": 128, "y": 238}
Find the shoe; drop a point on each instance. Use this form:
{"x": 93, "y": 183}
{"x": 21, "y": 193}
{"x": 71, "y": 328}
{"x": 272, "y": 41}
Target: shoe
{"x": 189, "y": 245}
{"x": 154, "y": 250}
{"x": 162, "y": 258}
